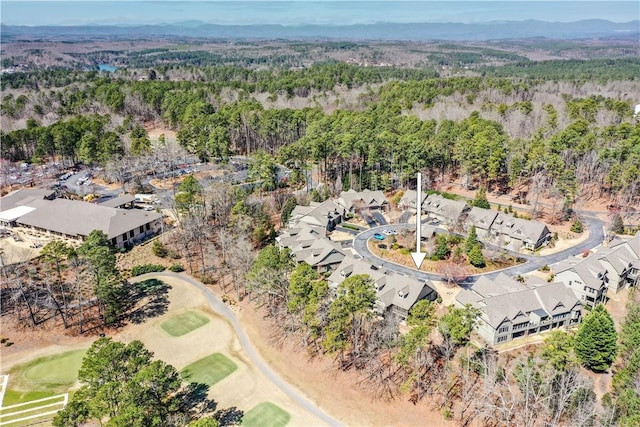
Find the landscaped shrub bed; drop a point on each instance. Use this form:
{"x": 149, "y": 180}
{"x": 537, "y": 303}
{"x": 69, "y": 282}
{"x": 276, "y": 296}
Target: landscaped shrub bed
{"x": 137, "y": 270}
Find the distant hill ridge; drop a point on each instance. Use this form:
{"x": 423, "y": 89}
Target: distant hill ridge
{"x": 493, "y": 30}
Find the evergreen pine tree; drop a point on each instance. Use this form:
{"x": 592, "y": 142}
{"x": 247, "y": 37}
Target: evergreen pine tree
{"x": 442, "y": 250}
{"x": 475, "y": 256}
{"x": 471, "y": 241}
{"x": 480, "y": 199}
{"x": 595, "y": 342}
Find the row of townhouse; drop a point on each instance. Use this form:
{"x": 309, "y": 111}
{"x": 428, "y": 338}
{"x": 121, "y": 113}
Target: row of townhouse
{"x": 396, "y": 293}
{"x": 306, "y": 237}
{"x": 510, "y": 309}
{"x": 333, "y": 212}
{"x": 494, "y": 227}
{"x": 607, "y": 269}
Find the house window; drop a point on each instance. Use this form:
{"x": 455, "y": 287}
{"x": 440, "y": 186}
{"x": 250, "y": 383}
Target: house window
{"x": 502, "y": 339}
{"x": 141, "y": 229}
{"x": 147, "y": 227}
{"x": 521, "y": 325}
{"x": 131, "y": 234}
{"x": 114, "y": 241}
{"x": 124, "y": 237}
{"x": 503, "y": 329}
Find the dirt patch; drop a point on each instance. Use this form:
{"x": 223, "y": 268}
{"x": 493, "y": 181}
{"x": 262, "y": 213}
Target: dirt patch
{"x": 565, "y": 240}
{"x": 155, "y": 132}
{"x": 447, "y": 292}
{"x": 14, "y": 252}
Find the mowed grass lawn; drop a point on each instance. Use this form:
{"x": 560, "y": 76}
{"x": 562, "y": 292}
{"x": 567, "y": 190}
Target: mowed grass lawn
{"x": 184, "y": 323}
{"x": 55, "y": 373}
{"x": 209, "y": 370}
{"x": 265, "y": 414}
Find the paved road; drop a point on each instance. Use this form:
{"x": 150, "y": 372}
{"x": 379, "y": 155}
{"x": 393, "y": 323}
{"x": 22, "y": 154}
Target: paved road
{"x": 222, "y": 309}
{"x": 596, "y": 236}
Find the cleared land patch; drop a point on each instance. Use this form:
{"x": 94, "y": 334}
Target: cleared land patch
{"x": 265, "y": 414}
{"x": 209, "y": 370}
{"x": 184, "y": 323}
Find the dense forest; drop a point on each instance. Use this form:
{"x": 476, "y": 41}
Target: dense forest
{"x": 565, "y": 128}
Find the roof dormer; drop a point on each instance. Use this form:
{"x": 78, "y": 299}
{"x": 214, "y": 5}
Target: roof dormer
{"x": 404, "y": 292}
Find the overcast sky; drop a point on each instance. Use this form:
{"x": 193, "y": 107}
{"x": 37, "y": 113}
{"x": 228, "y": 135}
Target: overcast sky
{"x": 51, "y": 12}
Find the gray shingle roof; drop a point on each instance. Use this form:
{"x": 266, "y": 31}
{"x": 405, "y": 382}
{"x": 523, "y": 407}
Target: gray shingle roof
{"x": 118, "y": 201}
{"x": 518, "y": 228}
{"x": 392, "y": 289}
{"x": 438, "y": 205}
{"x": 506, "y": 298}
{"x": 23, "y": 197}
{"x": 75, "y": 218}
{"x": 481, "y": 218}
{"x": 367, "y": 198}
{"x": 409, "y": 199}
{"x": 620, "y": 257}
{"x": 317, "y": 213}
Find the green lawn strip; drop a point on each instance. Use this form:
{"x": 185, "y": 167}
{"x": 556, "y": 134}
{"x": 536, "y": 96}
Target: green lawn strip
{"x": 54, "y": 373}
{"x": 184, "y": 323}
{"x": 13, "y": 397}
{"x": 32, "y": 421}
{"x": 265, "y": 414}
{"x": 209, "y": 370}
{"x": 13, "y": 416}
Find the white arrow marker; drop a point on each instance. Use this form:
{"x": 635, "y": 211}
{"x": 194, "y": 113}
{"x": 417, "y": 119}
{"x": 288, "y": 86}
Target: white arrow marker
{"x": 417, "y": 256}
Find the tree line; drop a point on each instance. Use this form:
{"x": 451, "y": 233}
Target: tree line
{"x": 79, "y": 287}
{"x": 584, "y": 148}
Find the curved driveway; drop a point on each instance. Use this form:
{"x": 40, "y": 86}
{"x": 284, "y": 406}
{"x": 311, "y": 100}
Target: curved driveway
{"x": 222, "y": 309}
{"x": 596, "y": 236}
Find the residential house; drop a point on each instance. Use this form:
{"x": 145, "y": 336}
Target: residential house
{"x": 408, "y": 200}
{"x": 299, "y": 234}
{"x": 510, "y": 309}
{"x": 327, "y": 214}
{"x": 607, "y": 269}
{"x": 482, "y": 219}
{"x": 587, "y": 277}
{"x": 396, "y": 293}
{"x": 622, "y": 264}
{"x": 308, "y": 244}
{"x": 354, "y": 201}
{"x": 519, "y": 233}
{"x": 448, "y": 212}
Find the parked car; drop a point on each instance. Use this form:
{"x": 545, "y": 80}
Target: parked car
{"x": 389, "y": 232}
{"x": 378, "y": 236}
